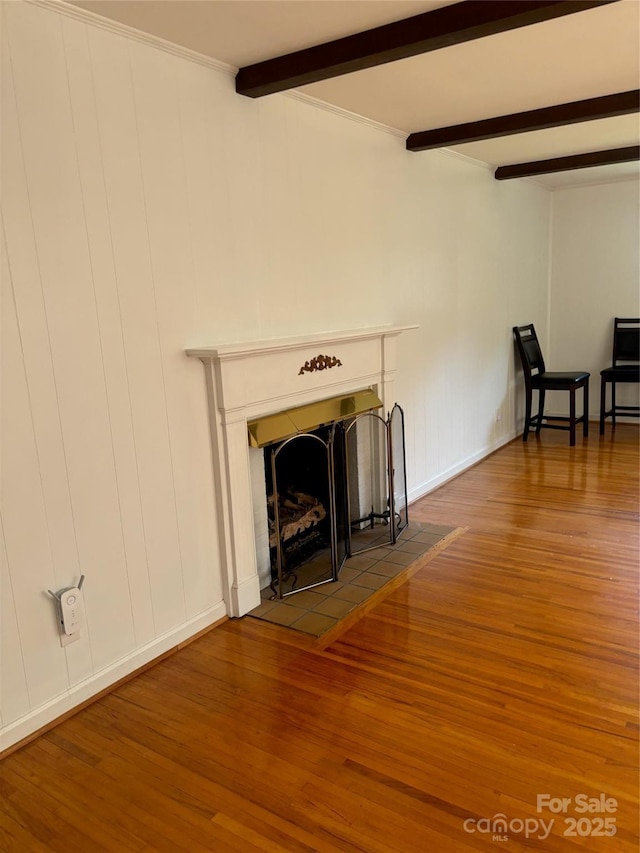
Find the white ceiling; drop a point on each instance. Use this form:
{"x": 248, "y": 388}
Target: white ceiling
{"x": 584, "y": 55}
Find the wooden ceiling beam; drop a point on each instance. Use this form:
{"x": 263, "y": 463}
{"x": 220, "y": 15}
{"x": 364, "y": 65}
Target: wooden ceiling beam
{"x": 591, "y": 109}
{"x": 565, "y": 164}
{"x": 429, "y": 31}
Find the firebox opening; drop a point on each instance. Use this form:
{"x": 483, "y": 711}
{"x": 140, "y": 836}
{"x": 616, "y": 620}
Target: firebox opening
{"x": 299, "y": 505}
{"x": 333, "y": 492}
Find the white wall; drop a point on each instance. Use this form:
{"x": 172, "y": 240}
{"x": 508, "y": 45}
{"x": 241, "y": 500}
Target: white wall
{"x": 474, "y": 253}
{"x": 147, "y": 208}
{"x": 595, "y": 276}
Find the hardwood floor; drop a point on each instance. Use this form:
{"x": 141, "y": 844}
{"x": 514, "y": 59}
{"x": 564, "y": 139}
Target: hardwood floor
{"x": 504, "y": 669}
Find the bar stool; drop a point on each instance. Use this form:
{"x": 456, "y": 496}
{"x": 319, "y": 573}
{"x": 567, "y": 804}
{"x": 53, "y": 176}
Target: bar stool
{"x": 537, "y": 378}
{"x": 626, "y": 349}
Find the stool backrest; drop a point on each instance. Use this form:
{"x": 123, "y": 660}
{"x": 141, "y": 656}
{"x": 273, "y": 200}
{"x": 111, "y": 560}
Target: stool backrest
{"x": 529, "y": 349}
{"x": 626, "y": 339}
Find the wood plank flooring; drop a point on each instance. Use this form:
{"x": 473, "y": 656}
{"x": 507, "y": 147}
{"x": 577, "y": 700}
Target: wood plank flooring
{"x": 504, "y": 669}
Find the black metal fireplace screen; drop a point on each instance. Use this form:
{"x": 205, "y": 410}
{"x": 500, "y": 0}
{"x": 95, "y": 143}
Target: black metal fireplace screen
{"x": 333, "y": 492}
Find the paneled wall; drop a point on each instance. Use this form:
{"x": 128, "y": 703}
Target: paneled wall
{"x": 146, "y": 209}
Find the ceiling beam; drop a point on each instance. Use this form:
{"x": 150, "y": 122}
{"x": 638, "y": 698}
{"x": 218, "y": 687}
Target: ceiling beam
{"x": 565, "y": 164}
{"x": 607, "y": 106}
{"x": 433, "y": 30}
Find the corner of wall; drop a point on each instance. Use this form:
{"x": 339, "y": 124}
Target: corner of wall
{"x": 550, "y": 243}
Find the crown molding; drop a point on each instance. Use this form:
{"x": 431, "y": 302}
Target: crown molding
{"x": 622, "y": 179}
{"x": 464, "y": 158}
{"x": 297, "y": 95}
{"x": 480, "y": 164}
{"x": 86, "y": 17}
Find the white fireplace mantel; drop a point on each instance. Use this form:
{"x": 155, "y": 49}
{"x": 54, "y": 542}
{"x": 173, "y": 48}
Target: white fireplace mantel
{"x": 252, "y": 379}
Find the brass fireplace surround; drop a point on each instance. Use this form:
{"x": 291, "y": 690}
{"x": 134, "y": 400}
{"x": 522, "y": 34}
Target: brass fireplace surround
{"x": 282, "y": 425}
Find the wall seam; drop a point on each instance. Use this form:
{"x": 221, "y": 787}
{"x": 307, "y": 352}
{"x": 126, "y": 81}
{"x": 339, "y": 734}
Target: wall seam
{"x": 550, "y": 245}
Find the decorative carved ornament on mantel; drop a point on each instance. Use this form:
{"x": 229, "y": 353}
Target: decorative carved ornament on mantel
{"x": 320, "y": 362}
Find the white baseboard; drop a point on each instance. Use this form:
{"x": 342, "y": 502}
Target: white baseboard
{"x": 79, "y": 693}
{"x": 245, "y": 596}
{"x": 429, "y": 485}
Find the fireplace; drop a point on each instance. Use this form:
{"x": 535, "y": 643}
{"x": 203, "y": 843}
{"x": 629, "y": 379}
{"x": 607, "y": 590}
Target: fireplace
{"x": 333, "y": 490}
{"x": 266, "y": 380}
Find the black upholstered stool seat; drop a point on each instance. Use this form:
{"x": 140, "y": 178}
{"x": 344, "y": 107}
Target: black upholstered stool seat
{"x": 558, "y": 381}
{"x": 622, "y": 373}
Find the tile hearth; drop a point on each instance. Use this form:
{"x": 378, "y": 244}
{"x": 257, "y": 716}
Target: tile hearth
{"x": 316, "y": 611}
